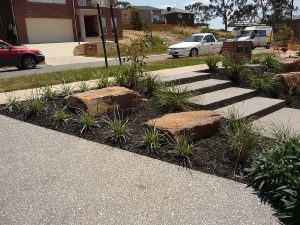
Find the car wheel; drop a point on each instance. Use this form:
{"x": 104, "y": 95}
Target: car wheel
{"x": 19, "y": 67}
{"x": 175, "y": 56}
{"x": 194, "y": 52}
{"x": 29, "y": 62}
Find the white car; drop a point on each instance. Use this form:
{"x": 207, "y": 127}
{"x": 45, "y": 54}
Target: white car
{"x": 197, "y": 44}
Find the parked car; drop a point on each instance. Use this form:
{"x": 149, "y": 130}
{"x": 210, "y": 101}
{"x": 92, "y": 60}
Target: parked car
{"x": 197, "y": 44}
{"x": 260, "y": 35}
{"x": 21, "y": 57}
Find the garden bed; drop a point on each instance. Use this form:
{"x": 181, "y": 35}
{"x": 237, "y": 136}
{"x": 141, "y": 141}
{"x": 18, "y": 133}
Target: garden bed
{"x": 212, "y": 155}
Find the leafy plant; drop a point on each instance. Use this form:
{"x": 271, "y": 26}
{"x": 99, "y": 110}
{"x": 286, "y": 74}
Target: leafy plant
{"x": 48, "y": 94}
{"x": 60, "y": 117}
{"x": 125, "y": 77}
{"x": 235, "y": 65}
{"x": 275, "y": 174}
{"x": 34, "y": 106}
{"x": 184, "y": 149}
{"x": 242, "y": 135}
{"x": 212, "y": 61}
{"x": 118, "y": 132}
{"x": 135, "y": 52}
{"x": 171, "y": 99}
{"x": 86, "y": 121}
{"x": 83, "y": 86}
{"x": 151, "y": 140}
{"x": 271, "y": 64}
{"x": 11, "y": 102}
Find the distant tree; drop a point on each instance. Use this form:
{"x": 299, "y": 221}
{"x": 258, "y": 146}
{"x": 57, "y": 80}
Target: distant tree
{"x": 136, "y": 19}
{"x": 264, "y": 7}
{"x": 122, "y": 4}
{"x": 223, "y": 9}
{"x": 202, "y": 12}
{"x": 244, "y": 12}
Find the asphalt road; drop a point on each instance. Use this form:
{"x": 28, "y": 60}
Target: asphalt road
{"x": 13, "y": 72}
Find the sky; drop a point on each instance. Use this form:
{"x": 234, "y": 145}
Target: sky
{"x": 215, "y": 23}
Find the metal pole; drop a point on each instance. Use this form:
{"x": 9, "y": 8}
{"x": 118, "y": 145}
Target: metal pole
{"x": 116, "y": 33}
{"x": 75, "y": 23}
{"x": 15, "y": 21}
{"x": 102, "y": 34}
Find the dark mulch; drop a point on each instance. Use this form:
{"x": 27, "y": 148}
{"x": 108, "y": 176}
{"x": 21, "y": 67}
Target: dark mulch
{"x": 212, "y": 155}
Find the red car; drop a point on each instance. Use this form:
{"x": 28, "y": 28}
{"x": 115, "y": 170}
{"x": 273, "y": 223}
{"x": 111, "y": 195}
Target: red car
{"x": 21, "y": 57}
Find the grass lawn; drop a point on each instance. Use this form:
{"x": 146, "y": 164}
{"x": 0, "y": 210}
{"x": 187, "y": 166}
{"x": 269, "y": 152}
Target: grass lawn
{"x": 46, "y": 79}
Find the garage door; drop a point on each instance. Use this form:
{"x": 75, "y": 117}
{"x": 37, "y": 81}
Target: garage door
{"x": 46, "y": 30}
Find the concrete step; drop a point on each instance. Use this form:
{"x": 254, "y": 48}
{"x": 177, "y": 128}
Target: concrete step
{"x": 286, "y": 118}
{"x": 205, "y": 86}
{"x": 254, "y": 107}
{"x": 221, "y": 98}
{"x": 184, "y": 78}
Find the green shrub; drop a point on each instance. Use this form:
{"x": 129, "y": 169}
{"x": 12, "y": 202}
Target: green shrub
{"x": 284, "y": 34}
{"x": 48, "y": 94}
{"x": 236, "y": 66}
{"x": 136, "y": 19}
{"x": 11, "y": 102}
{"x": 86, "y": 121}
{"x": 271, "y": 64}
{"x": 171, "y": 99}
{"x": 125, "y": 77}
{"x": 150, "y": 84}
{"x": 60, "y": 117}
{"x": 242, "y": 135}
{"x": 151, "y": 140}
{"x": 275, "y": 174}
{"x": 34, "y": 106}
{"x": 212, "y": 61}
{"x": 266, "y": 83}
{"x": 118, "y": 132}
{"x": 281, "y": 133}
{"x": 184, "y": 149}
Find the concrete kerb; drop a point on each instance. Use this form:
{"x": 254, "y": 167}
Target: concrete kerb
{"x": 23, "y": 95}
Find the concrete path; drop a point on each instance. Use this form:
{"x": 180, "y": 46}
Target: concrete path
{"x": 51, "y": 178}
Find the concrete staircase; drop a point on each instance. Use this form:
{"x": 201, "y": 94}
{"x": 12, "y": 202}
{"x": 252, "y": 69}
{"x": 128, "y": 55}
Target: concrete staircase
{"x": 219, "y": 95}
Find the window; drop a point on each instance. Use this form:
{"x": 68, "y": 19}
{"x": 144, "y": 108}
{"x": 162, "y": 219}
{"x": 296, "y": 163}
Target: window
{"x": 104, "y": 25}
{"x": 179, "y": 16}
{"x": 209, "y": 38}
{"x": 3, "y": 46}
{"x": 262, "y": 33}
{"x": 49, "y": 1}
{"x": 81, "y": 2}
{"x": 112, "y": 26}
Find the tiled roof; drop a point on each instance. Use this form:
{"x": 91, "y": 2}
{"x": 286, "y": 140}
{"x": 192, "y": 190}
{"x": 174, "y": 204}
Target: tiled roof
{"x": 146, "y": 8}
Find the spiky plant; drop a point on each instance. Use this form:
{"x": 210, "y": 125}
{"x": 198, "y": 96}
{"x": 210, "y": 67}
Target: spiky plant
{"x": 151, "y": 140}
{"x": 60, "y": 117}
{"x": 66, "y": 89}
{"x": 118, "y": 133}
{"x": 34, "y": 106}
{"x": 103, "y": 82}
{"x": 83, "y": 86}
{"x": 48, "y": 94}
{"x": 86, "y": 121}
{"x": 184, "y": 149}
{"x": 11, "y": 102}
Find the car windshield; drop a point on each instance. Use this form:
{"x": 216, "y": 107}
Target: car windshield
{"x": 194, "y": 38}
{"x": 244, "y": 33}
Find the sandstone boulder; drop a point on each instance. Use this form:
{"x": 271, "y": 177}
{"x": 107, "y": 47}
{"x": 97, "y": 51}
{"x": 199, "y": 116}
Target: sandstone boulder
{"x": 104, "y": 100}
{"x": 200, "y": 124}
{"x": 291, "y": 64}
{"x": 291, "y": 82}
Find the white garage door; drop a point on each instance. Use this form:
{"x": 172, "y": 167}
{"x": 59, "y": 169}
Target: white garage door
{"x": 46, "y": 30}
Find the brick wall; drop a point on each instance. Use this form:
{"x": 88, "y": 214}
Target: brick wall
{"x": 233, "y": 48}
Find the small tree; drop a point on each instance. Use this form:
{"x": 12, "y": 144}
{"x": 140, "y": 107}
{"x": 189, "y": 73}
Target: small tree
{"x": 136, "y": 19}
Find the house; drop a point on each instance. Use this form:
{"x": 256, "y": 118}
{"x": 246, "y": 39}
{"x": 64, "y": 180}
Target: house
{"x": 295, "y": 24}
{"x": 45, "y": 21}
{"x": 149, "y": 14}
{"x": 201, "y": 25}
{"x": 178, "y": 16}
